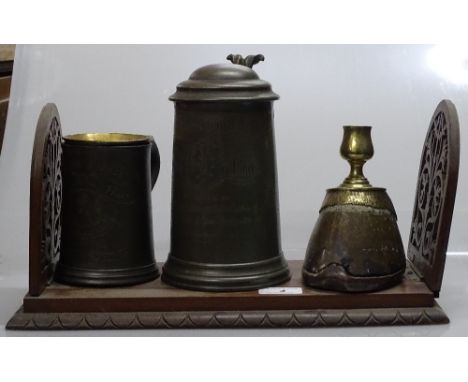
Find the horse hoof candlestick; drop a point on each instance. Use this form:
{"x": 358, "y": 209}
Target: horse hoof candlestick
{"x": 355, "y": 245}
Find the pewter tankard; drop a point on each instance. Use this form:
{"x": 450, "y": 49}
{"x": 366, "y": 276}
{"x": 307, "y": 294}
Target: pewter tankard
{"x": 225, "y": 233}
{"x": 107, "y": 231}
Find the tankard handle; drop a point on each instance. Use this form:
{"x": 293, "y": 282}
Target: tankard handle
{"x": 155, "y": 162}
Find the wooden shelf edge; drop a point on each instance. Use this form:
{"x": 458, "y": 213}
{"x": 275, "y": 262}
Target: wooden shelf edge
{"x": 230, "y": 319}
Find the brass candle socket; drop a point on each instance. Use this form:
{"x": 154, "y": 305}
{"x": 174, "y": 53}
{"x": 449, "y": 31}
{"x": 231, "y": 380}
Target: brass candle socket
{"x": 357, "y": 149}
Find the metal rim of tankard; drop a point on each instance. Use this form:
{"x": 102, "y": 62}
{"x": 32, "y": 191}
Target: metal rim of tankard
{"x": 106, "y": 138}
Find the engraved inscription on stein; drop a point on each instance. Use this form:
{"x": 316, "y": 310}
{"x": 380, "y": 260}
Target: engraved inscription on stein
{"x": 225, "y": 225}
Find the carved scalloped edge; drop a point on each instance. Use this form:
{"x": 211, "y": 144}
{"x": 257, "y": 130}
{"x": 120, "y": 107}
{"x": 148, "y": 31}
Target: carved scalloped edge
{"x": 214, "y": 320}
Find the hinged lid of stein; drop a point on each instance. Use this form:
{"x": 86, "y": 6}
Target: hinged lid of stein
{"x": 226, "y": 82}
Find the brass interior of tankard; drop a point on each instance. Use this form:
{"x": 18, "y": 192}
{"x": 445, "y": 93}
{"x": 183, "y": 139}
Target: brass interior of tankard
{"x": 106, "y": 137}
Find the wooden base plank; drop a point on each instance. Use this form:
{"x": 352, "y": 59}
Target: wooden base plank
{"x": 234, "y": 319}
{"x": 156, "y": 296}
{"x": 156, "y": 305}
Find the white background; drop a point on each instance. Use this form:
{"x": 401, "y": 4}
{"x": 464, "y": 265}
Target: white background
{"x": 393, "y": 88}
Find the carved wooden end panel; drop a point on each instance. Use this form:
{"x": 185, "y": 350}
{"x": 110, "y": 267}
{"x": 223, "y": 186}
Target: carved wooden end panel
{"x": 45, "y": 200}
{"x": 435, "y": 196}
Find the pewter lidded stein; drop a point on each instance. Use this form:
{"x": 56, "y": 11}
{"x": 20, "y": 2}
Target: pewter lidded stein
{"x": 225, "y": 232}
{"x": 355, "y": 245}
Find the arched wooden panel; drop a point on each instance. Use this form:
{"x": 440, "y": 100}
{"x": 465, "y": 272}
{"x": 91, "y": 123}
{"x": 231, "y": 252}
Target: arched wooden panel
{"x": 45, "y": 200}
{"x": 435, "y": 196}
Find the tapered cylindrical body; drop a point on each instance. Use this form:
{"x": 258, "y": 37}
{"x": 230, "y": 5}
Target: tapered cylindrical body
{"x": 225, "y": 223}
{"x": 107, "y": 235}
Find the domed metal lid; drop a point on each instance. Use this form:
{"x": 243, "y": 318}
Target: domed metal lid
{"x": 226, "y": 82}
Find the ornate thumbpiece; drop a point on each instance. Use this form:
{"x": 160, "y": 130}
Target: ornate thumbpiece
{"x": 45, "y": 200}
{"x": 248, "y": 61}
{"x": 435, "y": 196}
{"x": 355, "y": 245}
